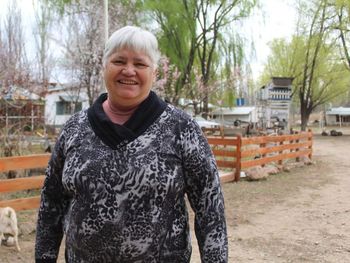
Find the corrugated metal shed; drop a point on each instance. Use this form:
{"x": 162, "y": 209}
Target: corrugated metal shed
{"x": 234, "y": 111}
{"x": 339, "y": 111}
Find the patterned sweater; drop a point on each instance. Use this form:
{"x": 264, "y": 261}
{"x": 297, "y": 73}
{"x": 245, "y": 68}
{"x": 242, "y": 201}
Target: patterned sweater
{"x": 118, "y": 192}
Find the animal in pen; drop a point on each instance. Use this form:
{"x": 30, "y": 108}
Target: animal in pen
{"x": 8, "y": 224}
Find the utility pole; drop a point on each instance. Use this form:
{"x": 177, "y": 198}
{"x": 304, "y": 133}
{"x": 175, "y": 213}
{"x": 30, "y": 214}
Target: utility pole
{"x": 105, "y": 3}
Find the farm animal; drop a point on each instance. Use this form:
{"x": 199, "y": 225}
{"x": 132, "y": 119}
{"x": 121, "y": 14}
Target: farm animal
{"x": 8, "y": 224}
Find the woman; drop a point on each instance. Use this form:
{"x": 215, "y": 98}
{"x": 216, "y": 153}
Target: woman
{"x": 118, "y": 175}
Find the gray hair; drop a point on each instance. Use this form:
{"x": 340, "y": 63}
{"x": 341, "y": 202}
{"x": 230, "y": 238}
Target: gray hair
{"x": 134, "y": 38}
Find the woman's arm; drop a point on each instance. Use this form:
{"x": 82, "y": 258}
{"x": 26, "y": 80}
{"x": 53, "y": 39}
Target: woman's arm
{"x": 205, "y": 195}
{"x": 53, "y": 205}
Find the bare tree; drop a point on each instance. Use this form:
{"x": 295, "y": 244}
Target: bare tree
{"x": 83, "y": 39}
{"x": 42, "y": 34}
{"x": 15, "y": 69}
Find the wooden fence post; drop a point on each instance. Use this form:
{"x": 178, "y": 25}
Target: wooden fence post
{"x": 310, "y": 139}
{"x": 263, "y": 145}
{"x": 297, "y": 149}
{"x": 291, "y": 142}
{"x": 222, "y": 132}
{"x": 280, "y": 162}
{"x": 238, "y": 158}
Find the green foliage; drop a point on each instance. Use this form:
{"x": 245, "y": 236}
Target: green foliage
{"x": 192, "y": 34}
{"x": 59, "y": 5}
{"x": 176, "y": 35}
{"x": 177, "y": 31}
{"x": 197, "y": 37}
{"x": 287, "y": 59}
{"x": 318, "y": 77}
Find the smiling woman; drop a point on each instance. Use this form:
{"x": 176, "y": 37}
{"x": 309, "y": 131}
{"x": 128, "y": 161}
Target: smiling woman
{"x": 128, "y": 77}
{"x": 118, "y": 176}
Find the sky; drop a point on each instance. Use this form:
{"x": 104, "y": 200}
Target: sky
{"x": 277, "y": 21}
{"x": 27, "y": 17}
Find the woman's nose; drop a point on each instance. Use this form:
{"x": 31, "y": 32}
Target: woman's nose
{"x": 128, "y": 70}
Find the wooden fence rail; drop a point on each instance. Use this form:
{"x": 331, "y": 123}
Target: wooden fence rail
{"x": 231, "y": 153}
{"x": 227, "y": 155}
{"x": 238, "y": 153}
{"x": 25, "y": 183}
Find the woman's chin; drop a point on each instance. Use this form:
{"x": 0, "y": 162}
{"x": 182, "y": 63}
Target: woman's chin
{"x": 128, "y": 94}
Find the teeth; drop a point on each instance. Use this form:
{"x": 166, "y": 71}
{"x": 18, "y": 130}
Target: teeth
{"x": 128, "y": 82}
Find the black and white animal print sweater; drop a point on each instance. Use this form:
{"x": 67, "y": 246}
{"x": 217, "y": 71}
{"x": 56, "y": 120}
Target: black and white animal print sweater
{"x": 118, "y": 192}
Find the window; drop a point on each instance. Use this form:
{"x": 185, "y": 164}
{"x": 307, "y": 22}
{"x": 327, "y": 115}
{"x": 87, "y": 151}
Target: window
{"x": 340, "y": 118}
{"x": 67, "y": 107}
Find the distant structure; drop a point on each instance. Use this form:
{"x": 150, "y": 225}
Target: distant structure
{"x": 273, "y": 102}
{"x": 20, "y": 109}
{"x": 230, "y": 116}
{"x": 338, "y": 116}
{"x": 62, "y": 101}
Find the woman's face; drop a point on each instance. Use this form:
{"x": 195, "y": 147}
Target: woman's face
{"x": 128, "y": 76}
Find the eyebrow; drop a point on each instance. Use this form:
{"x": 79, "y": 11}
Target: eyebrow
{"x": 137, "y": 59}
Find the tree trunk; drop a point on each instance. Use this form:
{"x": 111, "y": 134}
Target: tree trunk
{"x": 205, "y": 104}
{"x": 304, "y": 121}
{"x": 305, "y": 112}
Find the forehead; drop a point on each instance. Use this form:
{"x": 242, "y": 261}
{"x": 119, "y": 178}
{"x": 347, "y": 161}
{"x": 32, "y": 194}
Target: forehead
{"x": 127, "y": 53}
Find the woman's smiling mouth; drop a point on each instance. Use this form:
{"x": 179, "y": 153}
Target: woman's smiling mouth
{"x": 127, "y": 82}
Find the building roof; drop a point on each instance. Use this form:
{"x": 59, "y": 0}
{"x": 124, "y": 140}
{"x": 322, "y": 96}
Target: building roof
{"x": 282, "y": 81}
{"x": 233, "y": 111}
{"x": 339, "y": 111}
{"x": 189, "y": 103}
{"x": 19, "y": 93}
{"x": 206, "y": 123}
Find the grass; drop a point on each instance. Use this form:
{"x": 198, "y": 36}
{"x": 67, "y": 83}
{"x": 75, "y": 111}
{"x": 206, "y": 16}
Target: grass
{"x": 19, "y": 194}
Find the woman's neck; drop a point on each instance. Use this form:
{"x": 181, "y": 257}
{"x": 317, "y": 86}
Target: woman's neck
{"x": 115, "y": 114}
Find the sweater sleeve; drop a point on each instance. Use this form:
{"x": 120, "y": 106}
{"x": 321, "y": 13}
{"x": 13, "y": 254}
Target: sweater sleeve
{"x": 53, "y": 205}
{"x": 205, "y": 195}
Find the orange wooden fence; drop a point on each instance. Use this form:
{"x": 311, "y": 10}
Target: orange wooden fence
{"x": 238, "y": 153}
{"x": 227, "y": 155}
{"x": 232, "y": 153}
{"x": 25, "y": 183}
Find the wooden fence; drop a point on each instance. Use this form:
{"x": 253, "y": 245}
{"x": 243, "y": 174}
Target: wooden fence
{"x": 232, "y": 153}
{"x": 238, "y": 153}
{"x": 25, "y": 183}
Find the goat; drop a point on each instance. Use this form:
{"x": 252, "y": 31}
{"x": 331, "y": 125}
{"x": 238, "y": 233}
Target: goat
{"x": 8, "y": 224}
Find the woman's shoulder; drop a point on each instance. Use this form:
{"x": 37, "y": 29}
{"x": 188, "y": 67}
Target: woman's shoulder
{"x": 178, "y": 112}
{"x": 178, "y": 115}
{"x": 76, "y": 122}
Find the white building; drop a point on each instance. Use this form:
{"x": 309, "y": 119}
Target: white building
{"x": 187, "y": 106}
{"x": 338, "y": 116}
{"x": 62, "y": 102}
{"x": 228, "y": 116}
{"x": 203, "y": 123}
{"x": 274, "y": 102}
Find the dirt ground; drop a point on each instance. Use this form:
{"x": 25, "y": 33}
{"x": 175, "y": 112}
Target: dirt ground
{"x": 299, "y": 216}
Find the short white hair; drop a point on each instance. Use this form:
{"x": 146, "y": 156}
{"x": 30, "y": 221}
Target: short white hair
{"x": 134, "y": 38}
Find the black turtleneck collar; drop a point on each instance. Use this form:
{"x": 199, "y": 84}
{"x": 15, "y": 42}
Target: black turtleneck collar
{"x": 113, "y": 134}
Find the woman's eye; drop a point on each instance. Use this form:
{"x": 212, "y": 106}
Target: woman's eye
{"x": 141, "y": 65}
{"x": 118, "y": 62}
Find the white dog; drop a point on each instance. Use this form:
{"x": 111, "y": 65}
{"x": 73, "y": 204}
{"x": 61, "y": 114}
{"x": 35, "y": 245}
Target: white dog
{"x": 8, "y": 224}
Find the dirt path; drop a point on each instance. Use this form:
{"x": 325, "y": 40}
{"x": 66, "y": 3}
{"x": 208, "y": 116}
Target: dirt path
{"x": 300, "y": 216}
